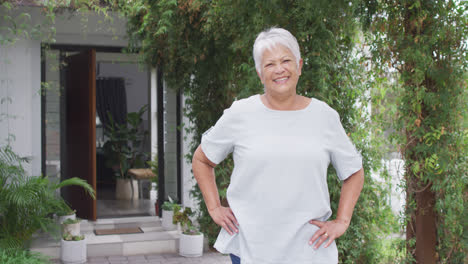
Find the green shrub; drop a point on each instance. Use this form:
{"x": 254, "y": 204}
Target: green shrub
{"x": 206, "y": 50}
{"x": 169, "y": 205}
{"x": 69, "y": 237}
{"x": 70, "y": 221}
{"x": 19, "y": 256}
{"x": 183, "y": 218}
{"x": 28, "y": 203}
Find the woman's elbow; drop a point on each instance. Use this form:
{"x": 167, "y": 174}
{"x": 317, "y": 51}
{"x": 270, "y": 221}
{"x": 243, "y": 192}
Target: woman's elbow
{"x": 357, "y": 177}
{"x": 360, "y": 177}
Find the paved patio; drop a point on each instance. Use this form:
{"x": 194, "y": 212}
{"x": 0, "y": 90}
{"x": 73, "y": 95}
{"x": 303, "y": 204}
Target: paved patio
{"x": 207, "y": 258}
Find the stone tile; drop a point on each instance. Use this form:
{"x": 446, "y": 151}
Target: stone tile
{"x": 112, "y": 249}
{"x": 117, "y": 258}
{"x": 136, "y": 257}
{"x": 138, "y": 261}
{"x": 98, "y": 262}
{"x": 172, "y": 261}
{"x": 170, "y": 255}
{"x": 149, "y": 247}
{"x": 155, "y": 261}
{"x": 119, "y": 262}
{"x": 154, "y": 257}
{"x": 97, "y": 259}
{"x": 93, "y": 239}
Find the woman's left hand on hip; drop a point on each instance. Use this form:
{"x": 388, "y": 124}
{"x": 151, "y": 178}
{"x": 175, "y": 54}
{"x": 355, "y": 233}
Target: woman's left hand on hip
{"x": 330, "y": 230}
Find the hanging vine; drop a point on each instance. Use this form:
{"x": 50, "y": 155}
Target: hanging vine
{"x": 204, "y": 49}
{"x": 425, "y": 41}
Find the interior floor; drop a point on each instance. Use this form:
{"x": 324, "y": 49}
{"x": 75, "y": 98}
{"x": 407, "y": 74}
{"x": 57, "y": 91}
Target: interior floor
{"x": 109, "y": 207}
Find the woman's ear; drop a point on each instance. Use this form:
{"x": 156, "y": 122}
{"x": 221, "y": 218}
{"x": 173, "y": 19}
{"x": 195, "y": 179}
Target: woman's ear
{"x": 260, "y": 76}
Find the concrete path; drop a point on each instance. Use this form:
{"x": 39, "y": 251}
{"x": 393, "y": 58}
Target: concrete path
{"x": 207, "y": 258}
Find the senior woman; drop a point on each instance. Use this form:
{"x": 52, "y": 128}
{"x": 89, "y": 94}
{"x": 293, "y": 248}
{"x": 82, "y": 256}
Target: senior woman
{"x": 282, "y": 144}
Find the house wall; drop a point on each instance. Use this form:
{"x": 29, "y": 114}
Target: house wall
{"x": 20, "y": 84}
{"x": 20, "y": 75}
{"x": 187, "y": 176}
{"x": 20, "y": 80}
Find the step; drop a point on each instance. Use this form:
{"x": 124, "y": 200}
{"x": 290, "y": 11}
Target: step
{"x": 144, "y": 221}
{"x": 154, "y": 240}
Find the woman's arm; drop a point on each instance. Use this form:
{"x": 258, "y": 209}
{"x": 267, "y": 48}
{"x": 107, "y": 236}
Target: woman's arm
{"x": 331, "y": 230}
{"x": 203, "y": 170}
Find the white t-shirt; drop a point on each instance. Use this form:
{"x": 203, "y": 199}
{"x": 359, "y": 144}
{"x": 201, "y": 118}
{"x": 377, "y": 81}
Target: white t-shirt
{"x": 279, "y": 181}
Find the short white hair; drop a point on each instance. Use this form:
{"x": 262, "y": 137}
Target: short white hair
{"x": 270, "y": 38}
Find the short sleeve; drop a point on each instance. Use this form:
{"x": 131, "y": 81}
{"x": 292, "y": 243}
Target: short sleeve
{"x": 343, "y": 154}
{"x": 218, "y": 141}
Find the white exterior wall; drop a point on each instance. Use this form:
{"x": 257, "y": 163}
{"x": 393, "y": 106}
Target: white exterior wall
{"x": 20, "y": 82}
{"x": 188, "y": 181}
{"x": 20, "y": 76}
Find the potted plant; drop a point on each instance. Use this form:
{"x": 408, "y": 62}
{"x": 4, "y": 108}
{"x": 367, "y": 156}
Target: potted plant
{"x": 28, "y": 203}
{"x": 66, "y": 214}
{"x": 73, "y": 244}
{"x": 124, "y": 151}
{"x": 191, "y": 239}
{"x": 168, "y": 213}
{"x": 73, "y": 249}
{"x": 71, "y": 226}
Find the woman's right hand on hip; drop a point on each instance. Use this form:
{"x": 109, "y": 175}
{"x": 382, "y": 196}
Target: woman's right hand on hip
{"x": 224, "y": 217}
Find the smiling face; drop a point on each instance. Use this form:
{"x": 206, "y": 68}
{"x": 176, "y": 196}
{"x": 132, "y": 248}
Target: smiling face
{"x": 279, "y": 71}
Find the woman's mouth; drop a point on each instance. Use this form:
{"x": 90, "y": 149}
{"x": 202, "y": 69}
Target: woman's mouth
{"x": 281, "y": 80}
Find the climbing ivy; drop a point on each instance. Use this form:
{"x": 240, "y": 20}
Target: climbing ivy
{"x": 426, "y": 43}
{"x": 204, "y": 49}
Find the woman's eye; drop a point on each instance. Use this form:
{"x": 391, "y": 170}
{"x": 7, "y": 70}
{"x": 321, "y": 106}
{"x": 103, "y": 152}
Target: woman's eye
{"x": 287, "y": 60}
{"x": 269, "y": 64}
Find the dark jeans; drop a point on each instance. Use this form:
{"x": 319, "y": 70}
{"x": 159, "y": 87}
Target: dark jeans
{"x": 235, "y": 259}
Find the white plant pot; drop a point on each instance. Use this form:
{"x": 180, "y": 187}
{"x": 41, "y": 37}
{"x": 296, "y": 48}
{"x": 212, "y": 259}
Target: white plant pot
{"x": 123, "y": 189}
{"x": 72, "y": 229}
{"x": 65, "y": 217}
{"x": 73, "y": 252}
{"x": 191, "y": 245}
{"x": 167, "y": 220}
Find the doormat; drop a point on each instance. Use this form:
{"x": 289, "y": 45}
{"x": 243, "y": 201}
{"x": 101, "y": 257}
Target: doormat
{"x": 118, "y": 231}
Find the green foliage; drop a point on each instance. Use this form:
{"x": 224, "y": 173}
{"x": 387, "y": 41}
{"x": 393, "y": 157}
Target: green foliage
{"x": 124, "y": 145}
{"x": 66, "y": 211}
{"x": 28, "y": 203}
{"x": 169, "y": 205}
{"x": 205, "y": 47}
{"x": 69, "y": 237}
{"x": 154, "y": 168}
{"x": 16, "y": 25}
{"x": 183, "y": 218}
{"x": 15, "y": 256}
{"x": 70, "y": 221}
{"x": 425, "y": 42}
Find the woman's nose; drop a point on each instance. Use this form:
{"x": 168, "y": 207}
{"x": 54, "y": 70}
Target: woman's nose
{"x": 279, "y": 68}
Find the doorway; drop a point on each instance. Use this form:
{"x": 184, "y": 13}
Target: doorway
{"x": 122, "y": 143}
{"x": 74, "y": 124}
